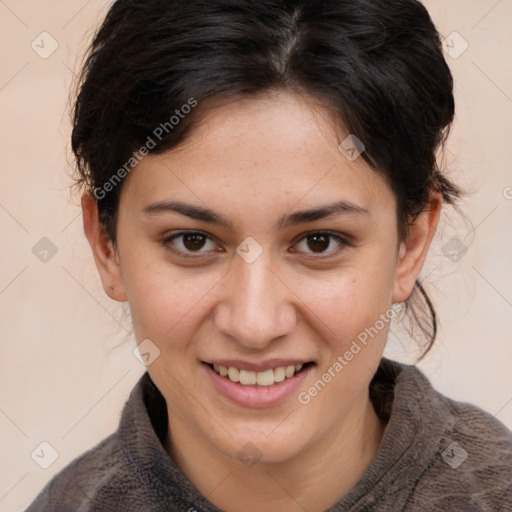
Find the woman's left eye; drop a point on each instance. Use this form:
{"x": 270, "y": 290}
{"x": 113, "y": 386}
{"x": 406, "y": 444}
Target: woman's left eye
{"x": 321, "y": 241}
{"x": 194, "y": 241}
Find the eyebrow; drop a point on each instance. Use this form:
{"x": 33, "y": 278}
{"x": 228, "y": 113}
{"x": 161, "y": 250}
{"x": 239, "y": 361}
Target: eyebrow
{"x": 287, "y": 220}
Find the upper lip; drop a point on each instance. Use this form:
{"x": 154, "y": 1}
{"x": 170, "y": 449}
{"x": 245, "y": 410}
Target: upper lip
{"x": 257, "y": 366}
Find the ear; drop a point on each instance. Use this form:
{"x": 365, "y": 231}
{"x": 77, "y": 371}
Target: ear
{"x": 413, "y": 251}
{"x": 103, "y": 250}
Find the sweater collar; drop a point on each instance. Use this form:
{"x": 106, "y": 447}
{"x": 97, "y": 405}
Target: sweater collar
{"x": 415, "y": 413}
{"x": 418, "y": 418}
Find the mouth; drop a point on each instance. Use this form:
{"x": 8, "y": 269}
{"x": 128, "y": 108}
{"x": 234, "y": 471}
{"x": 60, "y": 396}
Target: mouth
{"x": 264, "y": 378}
{"x": 260, "y": 385}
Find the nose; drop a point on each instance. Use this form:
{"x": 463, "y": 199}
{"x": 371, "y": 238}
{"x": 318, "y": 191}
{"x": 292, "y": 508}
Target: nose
{"x": 257, "y": 305}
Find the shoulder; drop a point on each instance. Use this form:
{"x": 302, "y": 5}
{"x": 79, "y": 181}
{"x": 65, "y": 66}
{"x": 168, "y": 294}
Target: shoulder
{"x": 471, "y": 468}
{"x": 438, "y": 453}
{"x": 77, "y": 483}
{"x": 128, "y": 470}
{"x": 112, "y": 475}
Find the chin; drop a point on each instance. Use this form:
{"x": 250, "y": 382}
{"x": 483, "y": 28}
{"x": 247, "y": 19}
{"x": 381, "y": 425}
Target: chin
{"x": 261, "y": 447}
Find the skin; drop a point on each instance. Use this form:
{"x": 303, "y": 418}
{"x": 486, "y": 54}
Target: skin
{"x": 252, "y": 161}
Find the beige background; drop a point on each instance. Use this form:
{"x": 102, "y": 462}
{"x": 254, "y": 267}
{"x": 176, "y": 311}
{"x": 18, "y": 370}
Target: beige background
{"x": 63, "y": 380}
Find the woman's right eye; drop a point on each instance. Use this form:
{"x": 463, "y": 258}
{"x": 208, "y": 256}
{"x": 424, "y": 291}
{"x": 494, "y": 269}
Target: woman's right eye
{"x": 189, "y": 243}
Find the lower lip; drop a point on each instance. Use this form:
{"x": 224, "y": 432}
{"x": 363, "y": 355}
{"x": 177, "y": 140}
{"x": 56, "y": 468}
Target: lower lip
{"x": 252, "y": 396}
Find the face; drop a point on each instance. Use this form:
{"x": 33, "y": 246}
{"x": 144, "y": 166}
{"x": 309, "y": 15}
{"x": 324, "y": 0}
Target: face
{"x": 225, "y": 272}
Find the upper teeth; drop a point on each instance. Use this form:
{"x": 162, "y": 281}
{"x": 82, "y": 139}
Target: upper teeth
{"x": 265, "y": 378}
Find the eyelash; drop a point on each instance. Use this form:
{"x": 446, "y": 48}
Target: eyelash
{"x": 167, "y": 241}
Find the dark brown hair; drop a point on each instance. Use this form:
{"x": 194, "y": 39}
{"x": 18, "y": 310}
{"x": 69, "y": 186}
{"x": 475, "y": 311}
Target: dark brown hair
{"x": 378, "y": 65}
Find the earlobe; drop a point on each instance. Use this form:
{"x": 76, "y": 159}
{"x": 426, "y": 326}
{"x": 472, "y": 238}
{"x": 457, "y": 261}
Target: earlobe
{"x": 103, "y": 250}
{"x": 413, "y": 251}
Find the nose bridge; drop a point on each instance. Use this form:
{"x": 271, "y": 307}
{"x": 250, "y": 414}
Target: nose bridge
{"x": 256, "y": 308}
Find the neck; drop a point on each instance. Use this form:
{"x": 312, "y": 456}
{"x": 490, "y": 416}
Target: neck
{"x": 313, "y": 480}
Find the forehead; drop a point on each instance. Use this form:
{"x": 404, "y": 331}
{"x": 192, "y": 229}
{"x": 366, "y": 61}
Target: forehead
{"x": 275, "y": 150}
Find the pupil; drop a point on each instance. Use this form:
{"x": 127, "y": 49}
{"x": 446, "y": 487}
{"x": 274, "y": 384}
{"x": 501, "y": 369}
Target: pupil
{"x": 193, "y": 241}
{"x": 320, "y": 241}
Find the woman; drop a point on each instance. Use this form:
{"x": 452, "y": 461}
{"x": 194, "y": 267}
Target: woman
{"x": 260, "y": 185}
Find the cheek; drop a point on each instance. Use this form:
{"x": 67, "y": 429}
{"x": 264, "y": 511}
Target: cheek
{"x": 351, "y": 301}
{"x": 164, "y": 302}
{"x": 353, "y": 343}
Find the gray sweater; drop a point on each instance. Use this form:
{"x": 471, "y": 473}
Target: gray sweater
{"x": 436, "y": 454}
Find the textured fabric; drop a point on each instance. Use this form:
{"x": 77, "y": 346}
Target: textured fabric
{"x": 436, "y": 454}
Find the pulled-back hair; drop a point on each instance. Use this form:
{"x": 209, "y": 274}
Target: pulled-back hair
{"x": 377, "y": 65}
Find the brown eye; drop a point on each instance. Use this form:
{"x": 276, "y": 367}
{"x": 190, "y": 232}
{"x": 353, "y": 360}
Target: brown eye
{"x": 322, "y": 243}
{"x": 194, "y": 241}
{"x": 318, "y": 243}
{"x": 188, "y": 243}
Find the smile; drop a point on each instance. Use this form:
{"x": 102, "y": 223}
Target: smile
{"x": 263, "y": 378}
{"x": 263, "y": 384}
